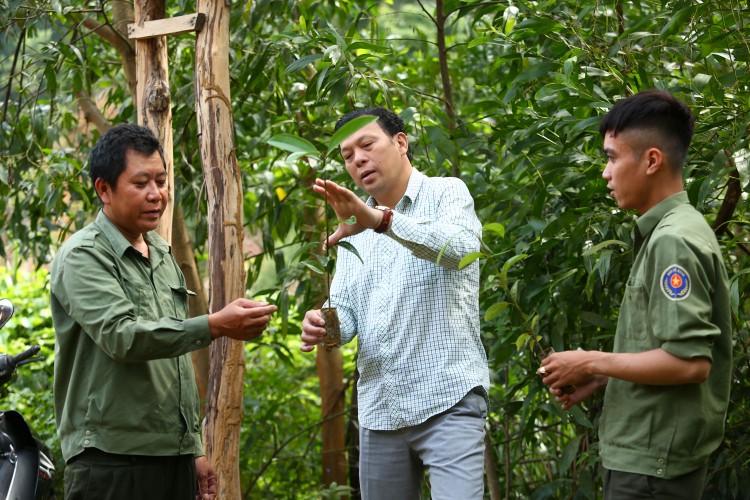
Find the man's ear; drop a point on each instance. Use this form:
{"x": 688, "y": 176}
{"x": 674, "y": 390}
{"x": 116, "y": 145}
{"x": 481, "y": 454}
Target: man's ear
{"x": 656, "y": 160}
{"x": 402, "y": 142}
{"x": 103, "y": 189}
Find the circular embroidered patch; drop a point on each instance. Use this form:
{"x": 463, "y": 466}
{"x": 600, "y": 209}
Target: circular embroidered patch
{"x": 675, "y": 283}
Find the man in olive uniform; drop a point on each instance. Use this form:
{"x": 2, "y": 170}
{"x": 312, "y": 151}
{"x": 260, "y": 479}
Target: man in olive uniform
{"x": 667, "y": 381}
{"x": 126, "y": 404}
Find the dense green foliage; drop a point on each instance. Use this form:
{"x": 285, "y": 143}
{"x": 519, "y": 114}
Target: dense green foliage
{"x": 30, "y": 391}
{"x": 528, "y": 83}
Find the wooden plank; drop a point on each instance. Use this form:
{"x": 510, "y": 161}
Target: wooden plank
{"x": 170, "y": 26}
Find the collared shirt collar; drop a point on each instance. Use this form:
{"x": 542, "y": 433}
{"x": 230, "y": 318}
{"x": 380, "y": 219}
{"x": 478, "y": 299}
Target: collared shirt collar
{"x": 648, "y": 221}
{"x": 416, "y": 179}
{"x": 120, "y": 244}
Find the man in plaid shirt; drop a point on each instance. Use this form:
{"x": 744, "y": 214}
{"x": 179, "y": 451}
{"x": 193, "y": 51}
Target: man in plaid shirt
{"x": 423, "y": 369}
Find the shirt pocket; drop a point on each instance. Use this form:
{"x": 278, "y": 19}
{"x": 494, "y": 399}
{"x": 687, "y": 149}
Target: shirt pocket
{"x": 180, "y": 296}
{"x": 632, "y": 323}
{"x": 143, "y": 299}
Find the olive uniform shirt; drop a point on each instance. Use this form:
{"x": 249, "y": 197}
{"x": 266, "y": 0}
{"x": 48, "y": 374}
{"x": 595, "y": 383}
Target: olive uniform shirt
{"x": 677, "y": 299}
{"x": 124, "y": 382}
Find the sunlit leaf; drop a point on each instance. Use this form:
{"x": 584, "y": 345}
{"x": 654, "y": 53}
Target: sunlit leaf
{"x": 293, "y": 144}
{"x": 494, "y": 310}
{"x": 468, "y": 259}
{"x": 348, "y": 129}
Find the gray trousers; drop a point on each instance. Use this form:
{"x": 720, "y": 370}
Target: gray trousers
{"x": 450, "y": 446}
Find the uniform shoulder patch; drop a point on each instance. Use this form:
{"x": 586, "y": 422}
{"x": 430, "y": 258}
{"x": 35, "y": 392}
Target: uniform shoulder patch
{"x": 675, "y": 282}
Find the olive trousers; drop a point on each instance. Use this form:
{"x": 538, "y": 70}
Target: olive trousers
{"x": 628, "y": 486}
{"x": 96, "y": 475}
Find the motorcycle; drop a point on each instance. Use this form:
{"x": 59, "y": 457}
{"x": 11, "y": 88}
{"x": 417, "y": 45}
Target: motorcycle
{"x": 26, "y": 466}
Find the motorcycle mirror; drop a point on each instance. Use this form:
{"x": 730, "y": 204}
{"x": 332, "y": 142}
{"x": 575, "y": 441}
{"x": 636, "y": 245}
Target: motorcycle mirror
{"x": 6, "y": 311}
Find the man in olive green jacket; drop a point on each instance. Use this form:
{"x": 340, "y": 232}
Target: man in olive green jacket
{"x": 126, "y": 402}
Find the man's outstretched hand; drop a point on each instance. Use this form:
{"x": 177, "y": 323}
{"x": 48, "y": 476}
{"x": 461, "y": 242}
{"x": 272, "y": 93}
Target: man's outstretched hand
{"x": 347, "y": 204}
{"x": 243, "y": 319}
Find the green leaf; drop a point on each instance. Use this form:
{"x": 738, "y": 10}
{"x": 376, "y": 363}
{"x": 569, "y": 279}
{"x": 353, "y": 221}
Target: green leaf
{"x": 677, "y": 21}
{"x": 734, "y": 292}
{"x": 566, "y": 275}
{"x": 495, "y": 228}
{"x": 521, "y": 340}
{"x": 507, "y": 266}
{"x": 293, "y": 144}
{"x": 495, "y": 309}
{"x": 480, "y": 40}
{"x": 351, "y": 248}
{"x": 569, "y": 453}
{"x": 348, "y": 129}
{"x": 601, "y": 245}
{"x": 313, "y": 266}
{"x": 468, "y": 259}
{"x": 302, "y": 62}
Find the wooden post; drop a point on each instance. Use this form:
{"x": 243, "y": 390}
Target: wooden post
{"x": 225, "y": 235}
{"x": 331, "y": 374}
{"x": 330, "y": 366}
{"x": 153, "y": 99}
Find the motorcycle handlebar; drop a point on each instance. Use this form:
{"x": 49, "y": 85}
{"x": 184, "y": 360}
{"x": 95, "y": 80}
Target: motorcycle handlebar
{"x": 23, "y": 356}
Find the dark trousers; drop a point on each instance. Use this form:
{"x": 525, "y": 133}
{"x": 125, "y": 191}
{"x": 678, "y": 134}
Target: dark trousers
{"x": 628, "y": 486}
{"x": 96, "y": 475}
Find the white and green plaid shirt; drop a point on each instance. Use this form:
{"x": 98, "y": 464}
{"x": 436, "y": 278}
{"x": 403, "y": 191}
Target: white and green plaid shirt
{"x": 416, "y": 315}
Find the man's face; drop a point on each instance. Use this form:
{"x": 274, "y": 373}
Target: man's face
{"x": 375, "y": 160}
{"x": 141, "y": 195}
{"x": 626, "y": 171}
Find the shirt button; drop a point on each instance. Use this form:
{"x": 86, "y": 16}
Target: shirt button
{"x": 659, "y": 471}
{"x": 198, "y": 342}
{"x": 661, "y": 460}
{"x": 88, "y": 433}
{"x": 86, "y": 441}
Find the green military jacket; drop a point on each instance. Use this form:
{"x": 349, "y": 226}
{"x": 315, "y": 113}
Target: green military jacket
{"x": 124, "y": 381}
{"x": 677, "y": 299}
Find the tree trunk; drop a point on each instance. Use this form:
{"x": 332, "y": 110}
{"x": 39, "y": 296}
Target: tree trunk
{"x": 352, "y": 437}
{"x": 225, "y": 267}
{"x": 183, "y": 253}
{"x": 153, "y": 99}
{"x": 330, "y": 365}
{"x": 490, "y": 465}
{"x": 331, "y": 375}
{"x": 445, "y": 77}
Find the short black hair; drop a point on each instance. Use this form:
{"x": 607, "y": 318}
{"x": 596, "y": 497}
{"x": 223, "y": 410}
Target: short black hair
{"x": 389, "y": 121}
{"x": 107, "y": 159}
{"x": 669, "y": 122}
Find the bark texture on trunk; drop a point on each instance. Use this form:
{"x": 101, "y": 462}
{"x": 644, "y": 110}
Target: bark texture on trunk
{"x": 183, "y": 253}
{"x": 153, "y": 99}
{"x": 226, "y": 270}
{"x": 331, "y": 374}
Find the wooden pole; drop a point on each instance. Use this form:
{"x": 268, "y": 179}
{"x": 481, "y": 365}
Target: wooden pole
{"x": 153, "y": 99}
{"x": 330, "y": 373}
{"x": 225, "y": 235}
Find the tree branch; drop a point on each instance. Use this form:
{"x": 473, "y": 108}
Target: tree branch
{"x": 731, "y": 199}
{"x": 91, "y": 112}
{"x": 445, "y": 77}
{"x": 124, "y": 48}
